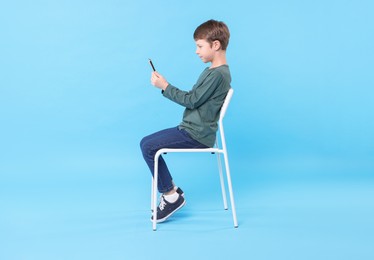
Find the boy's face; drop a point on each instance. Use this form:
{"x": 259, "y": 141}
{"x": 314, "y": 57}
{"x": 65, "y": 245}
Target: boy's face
{"x": 204, "y": 50}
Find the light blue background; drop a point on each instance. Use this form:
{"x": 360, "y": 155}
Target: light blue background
{"x": 75, "y": 100}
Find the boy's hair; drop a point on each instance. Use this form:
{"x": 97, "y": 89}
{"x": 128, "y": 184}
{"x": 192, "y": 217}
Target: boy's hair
{"x": 211, "y": 31}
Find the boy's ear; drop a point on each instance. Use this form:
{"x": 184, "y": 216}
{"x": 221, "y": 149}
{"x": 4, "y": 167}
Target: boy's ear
{"x": 216, "y": 45}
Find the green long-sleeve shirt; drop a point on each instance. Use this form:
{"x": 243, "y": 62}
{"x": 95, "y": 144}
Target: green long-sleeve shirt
{"x": 203, "y": 103}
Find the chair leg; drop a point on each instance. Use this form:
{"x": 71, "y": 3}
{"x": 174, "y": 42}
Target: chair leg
{"x": 154, "y": 193}
{"x": 229, "y": 184}
{"x": 222, "y": 180}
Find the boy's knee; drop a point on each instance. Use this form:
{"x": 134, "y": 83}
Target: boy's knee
{"x": 143, "y": 143}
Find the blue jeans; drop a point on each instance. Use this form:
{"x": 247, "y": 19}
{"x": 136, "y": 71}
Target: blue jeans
{"x": 168, "y": 138}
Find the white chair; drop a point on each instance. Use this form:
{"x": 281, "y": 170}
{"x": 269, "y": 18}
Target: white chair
{"x": 217, "y": 150}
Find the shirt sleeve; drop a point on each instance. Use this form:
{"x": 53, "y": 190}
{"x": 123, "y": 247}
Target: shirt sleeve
{"x": 199, "y": 94}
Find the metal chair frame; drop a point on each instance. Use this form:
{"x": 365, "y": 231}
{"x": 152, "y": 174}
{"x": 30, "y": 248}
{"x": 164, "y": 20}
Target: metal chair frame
{"x": 216, "y": 150}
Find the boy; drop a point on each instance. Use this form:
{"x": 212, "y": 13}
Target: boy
{"x": 203, "y": 103}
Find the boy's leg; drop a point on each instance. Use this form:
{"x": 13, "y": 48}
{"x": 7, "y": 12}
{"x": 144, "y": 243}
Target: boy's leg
{"x": 168, "y": 138}
{"x": 171, "y": 200}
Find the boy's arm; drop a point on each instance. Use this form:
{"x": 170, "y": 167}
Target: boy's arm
{"x": 198, "y": 95}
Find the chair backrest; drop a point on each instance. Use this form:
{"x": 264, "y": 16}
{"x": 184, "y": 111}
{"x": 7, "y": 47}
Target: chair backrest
{"x": 225, "y": 104}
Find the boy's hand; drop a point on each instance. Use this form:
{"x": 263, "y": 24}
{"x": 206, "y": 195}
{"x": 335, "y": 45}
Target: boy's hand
{"x": 158, "y": 80}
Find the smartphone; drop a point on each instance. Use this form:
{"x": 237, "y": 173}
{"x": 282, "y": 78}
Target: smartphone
{"x": 153, "y": 67}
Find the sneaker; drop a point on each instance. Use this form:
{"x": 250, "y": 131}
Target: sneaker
{"x": 180, "y": 191}
{"x": 165, "y": 209}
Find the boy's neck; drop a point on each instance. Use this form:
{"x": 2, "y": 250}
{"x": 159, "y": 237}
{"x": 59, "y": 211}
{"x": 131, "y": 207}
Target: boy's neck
{"x": 219, "y": 59}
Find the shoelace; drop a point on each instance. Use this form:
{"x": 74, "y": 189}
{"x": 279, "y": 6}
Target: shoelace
{"x": 162, "y": 203}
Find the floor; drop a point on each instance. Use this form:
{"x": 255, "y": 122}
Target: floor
{"x": 89, "y": 214}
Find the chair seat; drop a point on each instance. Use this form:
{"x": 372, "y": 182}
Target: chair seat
{"x": 188, "y": 150}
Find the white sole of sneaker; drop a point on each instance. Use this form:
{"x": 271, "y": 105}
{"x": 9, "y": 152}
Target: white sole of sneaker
{"x": 168, "y": 216}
